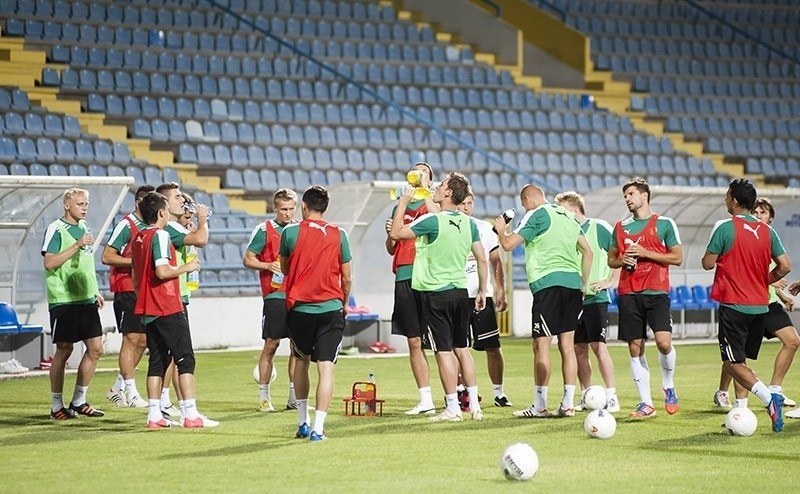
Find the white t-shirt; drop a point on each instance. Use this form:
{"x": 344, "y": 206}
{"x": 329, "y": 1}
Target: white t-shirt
{"x": 489, "y": 242}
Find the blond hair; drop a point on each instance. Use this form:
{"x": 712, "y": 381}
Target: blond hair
{"x": 284, "y": 195}
{"x": 72, "y": 192}
{"x": 573, "y": 199}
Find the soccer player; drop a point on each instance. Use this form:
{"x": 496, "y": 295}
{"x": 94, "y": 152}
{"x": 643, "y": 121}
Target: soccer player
{"x": 645, "y": 245}
{"x": 73, "y": 299}
{"x": 593, "y": 322}
{"x": 557, "y": 274}
{"x": 777, "y": 324}
{"x": 443, "y": 241}
{"x": 485, "y": 333}
{"x": 117, "y": 255}
{"x": 741, "y": 248}
{"x": 159, "y": 304}
{"x": 315, "y": 257}
{"x": 406, "y": 316}
{"x": 262, "y": 255}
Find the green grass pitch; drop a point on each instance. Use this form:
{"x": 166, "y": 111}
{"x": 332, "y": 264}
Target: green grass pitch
{"x": 257, "y": 452}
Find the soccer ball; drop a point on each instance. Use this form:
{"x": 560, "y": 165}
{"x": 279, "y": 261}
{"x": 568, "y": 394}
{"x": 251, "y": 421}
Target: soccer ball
{"x": 741, "y": 422}
{"x": 600, "y": 424}
{"x": 257, "y": 376}
{"x": 519, "y": 462}
{"x": 594, "y": 397}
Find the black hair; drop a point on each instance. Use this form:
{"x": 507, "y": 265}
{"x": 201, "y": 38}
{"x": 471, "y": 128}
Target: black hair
{"x": 150, "y": 205}
{"x": 640, "y": 184}
{"x": 316, "y": 198}
{"x": 142, "y": 191}
{"x": 743, "y": 192}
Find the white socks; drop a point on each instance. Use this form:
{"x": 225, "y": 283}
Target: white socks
{"x": 154, "y": 410}
{"x": 319, "y": 422}
{"x": 569, "y": 396}
{"x": 165, "y": 401}
{"x": 264, "y": 392}
{"x": 451, "y": 404}
{"x": 119, "y": 384}
{"x": 641, "y": 378}
{"x": 762, "y": 391}
{"x": 667, "y": 363}
{"x": 741, "y": 403}
{"x": 474, "y": 404}
{"x": 425, "y": 397}
{"x": 58, "y": 402}
{"x": 79, "y": 396}
{"x": 610, "y": 393}
{"x": 302, "y": 412}
{"x": 540, "y": 398}
{"x": 190, "y": 407}
{"x": 497, "y": 389}
{"x": 292, "y": 397}
{"x": 773, "y": 388}
{"x": 130, "y": 389}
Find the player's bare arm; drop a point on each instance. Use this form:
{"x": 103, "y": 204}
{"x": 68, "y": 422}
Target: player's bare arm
{"x": 587, "y": 257}
{"x": 783, "y": 266}
{"x": 399, "y": 231}
{"x": 199, "y": 237}
{"x": 55, "y": 261}
{"x": 167, "y": 272}
{"x": 496, "y": 270}
{"x": 347, "y": 283}
{"x": 112, "y": 257}
{"x": 673, "y": 257}
{"x": 483, "y": 272}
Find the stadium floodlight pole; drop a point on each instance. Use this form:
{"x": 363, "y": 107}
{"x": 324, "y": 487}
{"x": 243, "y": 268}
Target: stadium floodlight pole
{"x": 387, "y": 101}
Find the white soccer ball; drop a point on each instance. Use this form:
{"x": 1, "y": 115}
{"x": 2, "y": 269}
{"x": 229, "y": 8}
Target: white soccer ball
{"x": 594, "y": 397}
{"x": 257, "y": 375}
{"x": 600, "y": 424}
{"x": 741, "y": 422}
{"x": 519, "y": 462}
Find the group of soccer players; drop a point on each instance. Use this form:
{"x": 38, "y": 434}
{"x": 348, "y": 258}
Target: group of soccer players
{"x": 449, "y": 282}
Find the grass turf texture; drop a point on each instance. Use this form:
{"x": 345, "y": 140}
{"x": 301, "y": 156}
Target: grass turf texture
{"x": 255, "y": 452}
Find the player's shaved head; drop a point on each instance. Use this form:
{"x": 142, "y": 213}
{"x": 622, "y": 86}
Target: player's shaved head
{"x": 533, "y": 192}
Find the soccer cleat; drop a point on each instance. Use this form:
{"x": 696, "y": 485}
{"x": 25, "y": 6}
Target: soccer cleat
{"x": 292, "y": 405}
{"x": 581, "y": 406}
{"x": 63, "y": 414}
{"x": 422, "y": 409}
{"x": 314, "y": 437}
{"x": 199, "y": 422}
{"x": 86, "y": 410}
{"x": 565, "y": 412}
{"x": 266, "y": 406}
{"x": 794, "y": 414}
{"x": 722, "y": 400}
{"x": 12, "y": 367}
{"x": 117, "y": 398}
{"x": 531, "y": 413}
{"x": 670, "y": 401}
{"x": 612, "y": 405}
{"x": 136, "y": 402}
{"x": 643, "y": 410}
{"x": 303, "y": 430}
{"x": 447, "y": 416}
{"x": 170, "y": 412}
{"x": 477, "y": 414}
{"x": 788, "y": 402}
{"x": 158, "y": 424}
{"x": 502, "y": 401}
{"x": 775, "y": 409}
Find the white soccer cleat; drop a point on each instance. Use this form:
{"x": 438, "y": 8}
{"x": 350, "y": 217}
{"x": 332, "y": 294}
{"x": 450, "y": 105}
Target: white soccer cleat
{"x": 722, "y": 400}
{"x": 531, "y": 413}
{"x": 117, "y": 398}
{"x": 12, "y": 367}
{"x": 200, "y": 422}
{"x": 447, "y": 416}
{"x": 422, "y": 409}
{"x": 266, "y": 406}
{"x": 170, "y": 412}
{"x": 794, "y": 414}
{"x": 581, "y": 406}
{"x": 612, "y": 405}
{"x": 477, "y": 414}
{"x": 788, "y": 402}
{"x": 136, "y": 402}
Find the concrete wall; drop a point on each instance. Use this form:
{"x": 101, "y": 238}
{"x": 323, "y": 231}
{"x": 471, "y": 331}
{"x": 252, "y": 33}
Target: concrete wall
{"x": 554, "y": 72}
{"x": 474, "y": 26}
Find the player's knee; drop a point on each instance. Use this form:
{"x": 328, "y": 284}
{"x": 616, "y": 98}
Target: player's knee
{"x": 186, "y": 364}
{"x": 94, "y": 352}
{"x": 415, "y": 344}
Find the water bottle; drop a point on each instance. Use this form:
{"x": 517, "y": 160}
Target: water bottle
{"x": 277, "y": 279}
{"x": 420, "y": 193}
{"x": 88, "y": 249}
{"x": 193, "y": 278}
{"x": 632, "y": 267}
{"x": 508, "y": 215}
{"x": 369, "y": 406}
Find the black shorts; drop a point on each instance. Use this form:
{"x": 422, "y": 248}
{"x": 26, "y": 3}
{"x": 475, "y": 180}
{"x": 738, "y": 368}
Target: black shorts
{"x": 168, "y": 338}
{"x": 637, "y": 311}
{"x": 776, "y": 319}
{"x": 407, "y": 313}
{"x": 316, "y": 335}
{"x": 555, "y": 310}
{"x": 72, "y": 323}
{"x": 127, "y": 321}
{"x": 593, "y": 324}
{"x": 740, "y": 334}
{"x": 273, "y": 319}
{"x": 447, "y": 314}
{"x": 485, "y": 334}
